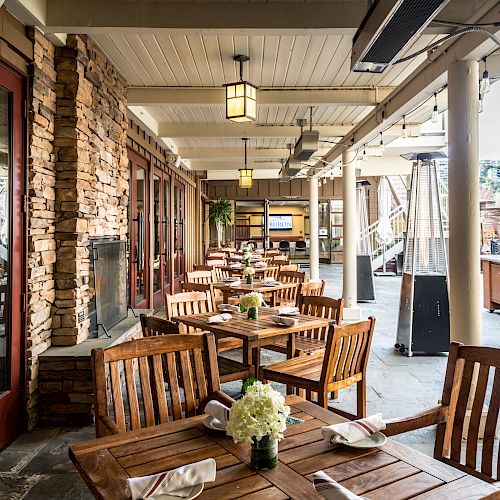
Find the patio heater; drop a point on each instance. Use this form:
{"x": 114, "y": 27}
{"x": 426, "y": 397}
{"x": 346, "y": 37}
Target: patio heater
{"x": 424, "y": 316}
{"x": 366, "y": 290}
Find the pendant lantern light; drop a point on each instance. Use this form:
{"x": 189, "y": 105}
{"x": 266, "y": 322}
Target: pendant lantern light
{"x": 241, "y": 97}
{"x": 246, "y": 174}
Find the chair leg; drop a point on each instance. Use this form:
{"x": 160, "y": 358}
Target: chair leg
{"x": 361, "y": 399}
{"x": 323, "y": 399}
{"x": 334, "y": 394}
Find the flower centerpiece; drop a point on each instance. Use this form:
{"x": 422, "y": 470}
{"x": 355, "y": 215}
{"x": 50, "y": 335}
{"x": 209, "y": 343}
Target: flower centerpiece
{"x": 250, "y": 303}
{"x": 259, "y": 419}
{"x": 248, "y": 273}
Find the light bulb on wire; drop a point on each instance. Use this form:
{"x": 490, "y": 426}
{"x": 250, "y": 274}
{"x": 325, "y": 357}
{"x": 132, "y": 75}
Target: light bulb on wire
{"x": 324, "y": 181}
{"x": 404, "y": 133}
{"x": 381, "y": 146}
{"x": 365, "y": 156}
{"x": 435, "y": 113}
{"x": 485, "y": 80}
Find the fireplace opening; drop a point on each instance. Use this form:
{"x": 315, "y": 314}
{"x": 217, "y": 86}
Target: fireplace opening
{"x": 108, "y": 284}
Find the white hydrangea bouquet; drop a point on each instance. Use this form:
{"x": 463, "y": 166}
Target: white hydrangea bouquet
{"x": 248, "y": 273}
{"x": 250, "y": 303}
{"x": 259, "y": 419}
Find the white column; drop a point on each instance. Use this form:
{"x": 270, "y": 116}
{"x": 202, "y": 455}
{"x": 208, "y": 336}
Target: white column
{"x": 314, "y": 229}
{"x": 351, "y": 229}
{"x": 463, "y": 188}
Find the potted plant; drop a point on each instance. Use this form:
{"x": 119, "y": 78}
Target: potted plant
{"x": 250, "y": 303}
{"x": 259, "y": 419}
{"x": 220, "y": 214}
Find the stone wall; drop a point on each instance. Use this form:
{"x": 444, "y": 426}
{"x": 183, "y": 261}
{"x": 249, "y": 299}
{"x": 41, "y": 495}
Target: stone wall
{"x": 41, "y": 215}
{"x": 92, "y": 176}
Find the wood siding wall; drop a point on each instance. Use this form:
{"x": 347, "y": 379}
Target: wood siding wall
{"x": 144, "y": 145}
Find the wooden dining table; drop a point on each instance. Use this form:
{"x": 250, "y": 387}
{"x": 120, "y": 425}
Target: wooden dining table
{"x": 392, "y": 472}
{"x": 255, "y": 333}
{"x": 239, "y": 270}
{"x": 256, "y": 286}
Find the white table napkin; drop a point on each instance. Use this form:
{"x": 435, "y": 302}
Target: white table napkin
{"x": 356, "y": 430}
{"x": 229, "y": 308}
{"x": 260, "y": 265}
{"x": 288, "y": 310}
{"x": 219, "y": 318}
{"x": 217, "y": 410}
{"x": 236, "y": 266}
{"x": 271, "y": 283}
{"x": 283, "y": 320}
{"x": 178, "y": 482}
{"x": 330, "y": 489}
{"x": 234, "y": 283}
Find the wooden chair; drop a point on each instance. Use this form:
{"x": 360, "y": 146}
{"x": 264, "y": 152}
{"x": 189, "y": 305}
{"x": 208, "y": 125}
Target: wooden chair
{"x": 289, "y": 267}
{"x": 200, "y": 276}
{"x": 465, "y": 363}
{"x": 311, "y": 289}
{"x": 216, "y": 255}
{"x": 187, "y": 286}
{"x": 202, "y": 267}
{"x": 192, "y": 374}
{"x": 341, "y": 365}
{"x": 220, "y": 274}
{"x": 271, "y": 252}
{"x": 314, "y": 340}
{"x": 152, "y": 326}
{"x": 289, "y": 296}
{"x": 186, "y": 303}
{"x": 279, "y": 260}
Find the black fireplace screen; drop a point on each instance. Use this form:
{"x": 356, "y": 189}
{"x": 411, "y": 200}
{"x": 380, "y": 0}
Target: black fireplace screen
{"x": 110, "y": 282}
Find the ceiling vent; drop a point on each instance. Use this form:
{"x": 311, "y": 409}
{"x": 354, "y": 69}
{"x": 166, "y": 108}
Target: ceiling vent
{"x": 308, "y": 142}
{"x": 290, "y": 169}
{"x": 388, "y": 29}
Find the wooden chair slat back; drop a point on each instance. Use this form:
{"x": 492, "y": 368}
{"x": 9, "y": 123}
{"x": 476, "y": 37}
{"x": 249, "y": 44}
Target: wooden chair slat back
{"x": 202, "y": 267}
{"x": 216, "y": 262}
{"x": 472, "y": 383}
{"x": 280, "y": 260}
{"x": 290, "y": 295}
{"x": 216, "y": 256}
{"x": 220, "y": 274}
{"x": 200, "y": 277}
{"x": 135, "y": 375}
{"x": 310, "y": 289}
{"x": 271, "y": 252}
{"x": 289, "y": 267}
{"x": 347, "y": 351}
{"x": 153, "y": 326}
{"x": 186, "y": 303}
{"x": 321, "y": 307}
{"x": 201, "y": 287}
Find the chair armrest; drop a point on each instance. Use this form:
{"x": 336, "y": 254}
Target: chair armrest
{"x": 432, "y": 416}
{"x": 106, "y": 427}
{"x": 223, "y": 398}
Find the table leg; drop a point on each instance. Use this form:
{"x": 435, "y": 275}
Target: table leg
{"x": 290, "y": 354}
{"x": 251, "y": 355}
{"x": 273, "y": 299}
{"x": 225, "y": 297}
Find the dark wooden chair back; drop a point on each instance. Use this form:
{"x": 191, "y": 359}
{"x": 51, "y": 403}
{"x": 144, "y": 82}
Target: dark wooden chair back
{"x": 347, "y": 351}
{"x": 201, "y": 287}
{"x": 311, "y": 289}
{"x": 200, "y": 277}
{"x": 186, "y": 303}
{"x": 202, "y": 267}
{"x": 137, "y": 366}
{"x": 321, "y": 307}
{"x": 472, "y": 376}
{"x": 153, "y": 326}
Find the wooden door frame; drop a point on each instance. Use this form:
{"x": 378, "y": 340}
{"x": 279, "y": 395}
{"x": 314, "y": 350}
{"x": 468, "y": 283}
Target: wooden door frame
{"x": 139, "y": 161}
{"x": 175, "y": 257}
{"x": 11, "y": 401}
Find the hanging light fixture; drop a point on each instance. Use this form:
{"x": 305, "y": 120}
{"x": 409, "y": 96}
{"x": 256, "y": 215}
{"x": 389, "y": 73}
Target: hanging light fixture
{"x": 485, "y": 80}
{"x": 241, "y": 97}
{"x": 435, "y": 114}
{"x": 246, "y": 174}
{"x": 480, "y": 107}
{"x": 381, "y": 146}
{"x": 404, "y": 132}
{"x": 365, "y": 156}
{"x": 324, "y": 181}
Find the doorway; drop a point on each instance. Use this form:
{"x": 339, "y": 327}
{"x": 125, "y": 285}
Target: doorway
{"x": 11, "y": 254}
{"x": 178, "y": 214}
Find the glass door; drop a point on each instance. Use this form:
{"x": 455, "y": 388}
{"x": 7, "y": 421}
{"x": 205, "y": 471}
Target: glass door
{"x": 167, "y": 236}
{"x": 178, "y": 234}
{"x": 11, "y": 251}
{"x": 324, "y": 232}
{"x": 138, "y": 231}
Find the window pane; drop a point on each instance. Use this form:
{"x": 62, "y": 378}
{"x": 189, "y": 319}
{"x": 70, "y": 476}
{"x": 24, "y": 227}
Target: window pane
{"x": 140, "y": 234}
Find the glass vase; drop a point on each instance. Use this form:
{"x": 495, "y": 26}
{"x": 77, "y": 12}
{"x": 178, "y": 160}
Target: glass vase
{"x": 249, "y": 279}
{"x": 264, "y": 453}
{"x": 253, "y": 312}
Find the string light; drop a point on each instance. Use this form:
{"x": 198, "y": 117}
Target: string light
{"x": 485, "y": 80}
{"x": 404, "y": 133}
{"x": 324, "y": 181}
{"x": 381, "y": 147}
{"x": 365, "y": 156}
{"x": 435, "y": 114}
{"x": 480, "y": 107}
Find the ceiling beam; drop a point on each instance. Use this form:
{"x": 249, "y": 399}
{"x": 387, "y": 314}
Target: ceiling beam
{"x": 273, "y": 18}
{"x": 234, "y": 165}
{"x": 428, "y": 78}
{"x": 239, "y": 130}
{"x": 230, "y": 153}
{"x": 190, "y": 96}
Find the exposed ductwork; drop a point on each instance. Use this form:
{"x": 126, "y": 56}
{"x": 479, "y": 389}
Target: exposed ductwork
{"x": 388, "y": 29}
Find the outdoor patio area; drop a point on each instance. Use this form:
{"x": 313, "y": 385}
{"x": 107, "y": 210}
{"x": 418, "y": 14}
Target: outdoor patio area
{"x": 36, "y": 466}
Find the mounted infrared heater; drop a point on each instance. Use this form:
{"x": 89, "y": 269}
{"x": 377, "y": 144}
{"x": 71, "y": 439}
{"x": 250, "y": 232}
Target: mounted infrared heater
{"x": 388, "y": 29}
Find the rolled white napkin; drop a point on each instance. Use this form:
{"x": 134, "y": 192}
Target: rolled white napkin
{"x": 177, "y": 482}
{"x": 234, "y": 283}
{"x": 217, "y": 410}
{"x": 271, "y": 283}
{"x": 288, "y": 310}
{"x": 268, "y": 279}
{"x": 260, "y": 264}
{"x": 255, "y": 256}
{"x": 219, "y": 318}
{"x": 356, "y": 430}
{"x": 283, "y": 320}
{"x": 331, "y": 490}
{"x": 229, "y": 308}
{"x": 236, "y": 265}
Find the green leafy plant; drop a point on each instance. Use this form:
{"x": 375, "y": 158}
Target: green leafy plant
{"x": 220, "y": 214}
